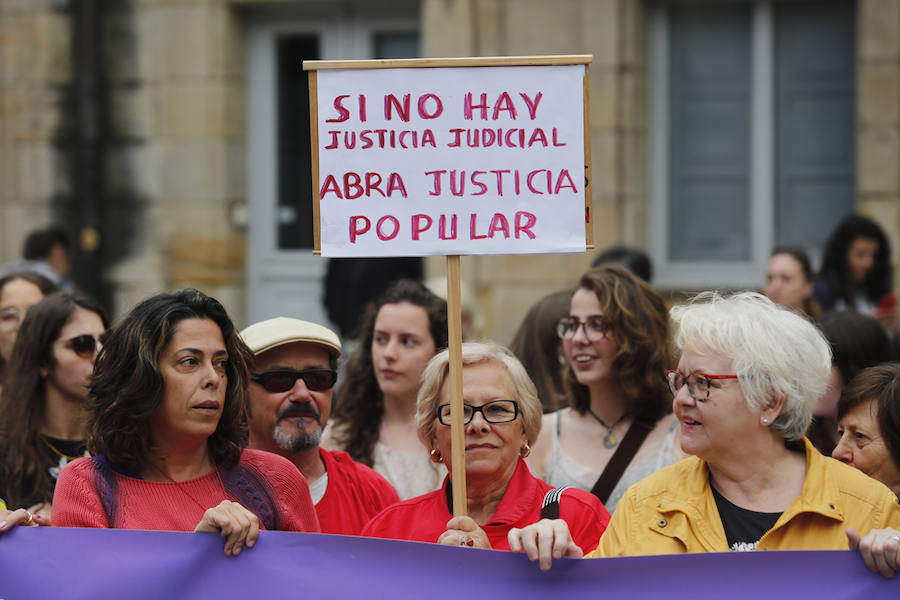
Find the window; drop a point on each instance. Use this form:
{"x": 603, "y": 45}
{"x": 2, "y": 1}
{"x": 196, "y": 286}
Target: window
{"x": 752, "y": 141}
{"x": 283, "y": 276}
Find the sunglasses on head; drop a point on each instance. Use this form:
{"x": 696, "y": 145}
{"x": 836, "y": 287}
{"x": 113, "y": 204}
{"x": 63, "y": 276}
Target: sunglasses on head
{"x": 281, "y": 380}
{"x": 83, "y": 345}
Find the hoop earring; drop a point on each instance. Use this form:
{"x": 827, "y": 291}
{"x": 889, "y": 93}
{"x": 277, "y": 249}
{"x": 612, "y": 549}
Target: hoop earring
{"x": 436, "y": 456}
{"x": 525, "y": 450}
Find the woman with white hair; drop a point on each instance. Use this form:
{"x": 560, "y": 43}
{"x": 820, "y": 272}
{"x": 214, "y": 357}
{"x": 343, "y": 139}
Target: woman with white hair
{"x": 749, "y": 377}
{"x": 502, "y": 416}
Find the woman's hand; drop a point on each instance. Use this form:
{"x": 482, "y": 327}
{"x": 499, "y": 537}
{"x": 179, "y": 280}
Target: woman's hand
{"x": 880, "y": 549}
{"x": 464, "y": 531}
{"x": 21, "y": 516}
{"x": 543, "y": 541}
{"x": 233, "y": 521}
{"x": 41, "y": 512}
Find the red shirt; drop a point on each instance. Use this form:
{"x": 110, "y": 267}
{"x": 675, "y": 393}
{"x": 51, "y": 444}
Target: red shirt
{"x": 355, "y": 493}
{"x": 424, "y": 519}
{"x": 91, "y": 492}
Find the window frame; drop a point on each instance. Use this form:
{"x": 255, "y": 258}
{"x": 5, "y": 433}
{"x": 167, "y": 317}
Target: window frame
{"x": 695, "y": 275}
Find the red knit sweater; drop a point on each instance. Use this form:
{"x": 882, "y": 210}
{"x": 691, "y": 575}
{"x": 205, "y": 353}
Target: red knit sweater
{"x": 91, "y": 493}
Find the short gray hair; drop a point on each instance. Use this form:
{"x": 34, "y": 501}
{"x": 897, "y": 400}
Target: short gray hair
{"x": 473, "y": 353}
{"x": 774, "y": 351}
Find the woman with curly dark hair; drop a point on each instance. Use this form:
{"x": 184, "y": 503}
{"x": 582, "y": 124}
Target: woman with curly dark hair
{"x": 42, "y": 405}
{"x": 374, "y": 419}
{"x": 618, "y": 428}
{"x": 856, "y": 270}
{"x": 167, "y": 430}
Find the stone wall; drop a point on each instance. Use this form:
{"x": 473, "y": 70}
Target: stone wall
{"x": 174, "y": 149}
{"x": 35, "y": 78}
{"x": 176, "y": 152}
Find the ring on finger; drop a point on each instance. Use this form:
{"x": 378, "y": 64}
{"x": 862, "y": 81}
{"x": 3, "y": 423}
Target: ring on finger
{"x": 895, "y": 538}
{"x": 30, "y": 518}
{"x": 466, "y": 541}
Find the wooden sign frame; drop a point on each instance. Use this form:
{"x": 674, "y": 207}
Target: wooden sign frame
{"x": 458, "y": 473}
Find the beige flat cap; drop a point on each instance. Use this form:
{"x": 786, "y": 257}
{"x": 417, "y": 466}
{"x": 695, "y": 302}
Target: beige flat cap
{"x": 272, "y": 333}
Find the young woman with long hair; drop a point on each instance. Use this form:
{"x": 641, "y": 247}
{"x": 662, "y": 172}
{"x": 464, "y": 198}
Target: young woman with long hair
{"x": 616, "y": 342}
{"x": 43, "y": 401}
{"x": 375, "y": 408}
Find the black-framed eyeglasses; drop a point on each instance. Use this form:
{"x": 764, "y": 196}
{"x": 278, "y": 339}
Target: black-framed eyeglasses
{"x": 698, "y": 383}
{"x": 83, "y": 345}
{"x": 495, "y": 411}
{"x": 281, "y": 380}
{"x": 595, "y": 327}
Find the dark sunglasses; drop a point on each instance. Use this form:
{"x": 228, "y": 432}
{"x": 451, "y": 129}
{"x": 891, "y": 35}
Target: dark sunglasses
{"x": 83, "y": 345}
{"x": 281, "y": 380}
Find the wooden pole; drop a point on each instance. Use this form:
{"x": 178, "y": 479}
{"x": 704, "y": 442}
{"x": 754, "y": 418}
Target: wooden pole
{"x": 457, "y": 429}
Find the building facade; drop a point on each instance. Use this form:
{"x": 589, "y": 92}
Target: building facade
{"x": 718, "y": 129}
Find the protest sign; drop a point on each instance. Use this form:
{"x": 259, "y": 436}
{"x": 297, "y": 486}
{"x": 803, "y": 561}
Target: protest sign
{"x": 94, "y": 564}
{"x": 450, "y": 156}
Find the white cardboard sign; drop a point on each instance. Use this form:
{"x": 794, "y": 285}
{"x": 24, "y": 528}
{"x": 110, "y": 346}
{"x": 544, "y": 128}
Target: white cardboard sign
{"x": 458, "y": 160}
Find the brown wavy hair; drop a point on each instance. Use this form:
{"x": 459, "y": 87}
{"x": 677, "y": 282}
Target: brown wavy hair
{"x": 128, "y": 388}
{"x": 23, "y": 402}
{"x": 640, "y": 325}
{"x": 360, "y": 403}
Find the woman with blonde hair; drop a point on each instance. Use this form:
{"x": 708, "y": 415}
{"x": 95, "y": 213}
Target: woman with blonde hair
{"x": 502, "y": 417}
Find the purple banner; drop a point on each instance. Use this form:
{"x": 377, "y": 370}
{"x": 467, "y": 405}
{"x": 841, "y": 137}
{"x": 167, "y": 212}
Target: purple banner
{"x": 43, "y": 563}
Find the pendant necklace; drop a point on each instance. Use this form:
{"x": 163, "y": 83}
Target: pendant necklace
{"x": 609, "y": 440}
{"x": 187, "y": 493}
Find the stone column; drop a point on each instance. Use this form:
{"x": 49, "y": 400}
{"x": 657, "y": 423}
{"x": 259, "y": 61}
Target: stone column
{"x": 878, "y": 116}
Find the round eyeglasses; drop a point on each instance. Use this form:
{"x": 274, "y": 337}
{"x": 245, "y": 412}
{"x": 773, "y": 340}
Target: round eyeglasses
{"x": 595, "y": 327}
{"x": 698, "y": 383}
{"x": 495, "y": 411}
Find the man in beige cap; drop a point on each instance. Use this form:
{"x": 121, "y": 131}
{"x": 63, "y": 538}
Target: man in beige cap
{"x": 293, "y": 374}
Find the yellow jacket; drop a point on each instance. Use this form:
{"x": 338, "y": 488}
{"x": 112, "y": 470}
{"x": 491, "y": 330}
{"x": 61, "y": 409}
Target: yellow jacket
{"x": 673, "y": 511}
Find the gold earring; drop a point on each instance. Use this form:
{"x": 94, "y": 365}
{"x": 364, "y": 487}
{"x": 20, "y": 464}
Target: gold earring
{"x": 525, "y": 450}
{"x": 436, "y": 456}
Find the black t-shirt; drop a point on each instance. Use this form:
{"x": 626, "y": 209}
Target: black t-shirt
{"x": 53, "y": 463}
{"x": 743, "y": 528}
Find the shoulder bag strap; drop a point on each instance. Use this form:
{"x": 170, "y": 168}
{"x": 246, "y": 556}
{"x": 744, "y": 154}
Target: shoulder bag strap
{"x": 611, "y": 475}
{"x": 550, "y": 505}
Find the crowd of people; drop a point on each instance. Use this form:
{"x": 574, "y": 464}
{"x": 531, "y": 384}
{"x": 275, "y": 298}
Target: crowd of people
{"x": 615, "y": 425}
